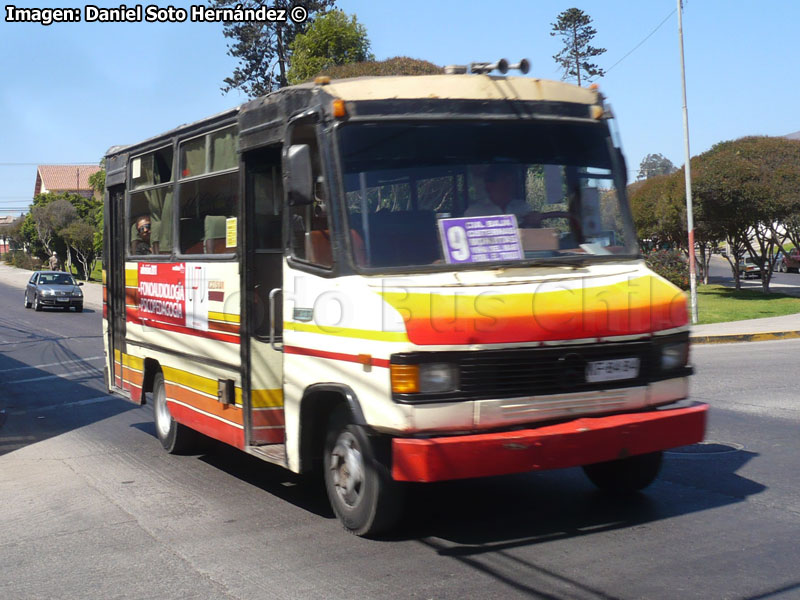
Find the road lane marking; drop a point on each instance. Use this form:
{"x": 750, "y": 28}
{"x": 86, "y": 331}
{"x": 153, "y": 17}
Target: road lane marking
{"x": 72, "y": 375}
{"x": 86, "y": 402}
{"x": 62, "y": 363}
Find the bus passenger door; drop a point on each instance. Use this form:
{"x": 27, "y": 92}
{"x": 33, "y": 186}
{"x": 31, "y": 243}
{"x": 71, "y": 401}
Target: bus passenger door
{"x": 263, "y": 274}
{"x": 114, "y": 262}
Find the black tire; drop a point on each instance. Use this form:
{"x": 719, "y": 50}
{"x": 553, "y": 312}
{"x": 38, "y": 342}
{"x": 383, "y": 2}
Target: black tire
{"x": 361, "y": 491}
{"x": 176, "y": 438}
{"x": 27, "y": 304}
{"x": 626, "y": 474}
{"x": 36, "y": 305}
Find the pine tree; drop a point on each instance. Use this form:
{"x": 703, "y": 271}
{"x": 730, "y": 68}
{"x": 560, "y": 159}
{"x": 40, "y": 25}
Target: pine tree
{"x": 574, "y": 28}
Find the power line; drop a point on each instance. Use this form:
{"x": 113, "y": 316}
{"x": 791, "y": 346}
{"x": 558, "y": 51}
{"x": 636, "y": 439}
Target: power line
{"x": 36, "y": 164}
{"x": 636, "y": 47}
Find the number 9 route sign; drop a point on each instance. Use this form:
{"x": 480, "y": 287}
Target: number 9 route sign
{"x": 480, "y": 239}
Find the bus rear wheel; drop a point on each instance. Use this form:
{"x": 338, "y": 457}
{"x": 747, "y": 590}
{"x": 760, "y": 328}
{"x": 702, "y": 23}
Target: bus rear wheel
{"x": 361, "y": 491}
{"x": 176, "y": 438}
{"x": 625, "y": 475}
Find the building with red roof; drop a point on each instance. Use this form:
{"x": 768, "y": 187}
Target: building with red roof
{"x": 64, "y": 178}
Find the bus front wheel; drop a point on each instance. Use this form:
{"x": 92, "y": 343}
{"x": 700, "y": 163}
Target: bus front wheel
{"x": 625, "y": 475}
{"x": 360, "y": 489}
{"x": 176, "y": 438}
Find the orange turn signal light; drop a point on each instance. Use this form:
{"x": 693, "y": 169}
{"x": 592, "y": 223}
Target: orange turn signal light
{"x": 339, "y": 109}
{"x": 405, "y": 379}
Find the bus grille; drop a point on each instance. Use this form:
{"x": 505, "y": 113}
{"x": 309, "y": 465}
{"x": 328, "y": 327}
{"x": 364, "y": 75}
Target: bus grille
{"x": 525, "y": 372}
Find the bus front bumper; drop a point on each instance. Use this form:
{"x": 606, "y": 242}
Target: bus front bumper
{"x": 574, "y": 443}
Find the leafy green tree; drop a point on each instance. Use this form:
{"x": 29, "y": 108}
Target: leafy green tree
{"x": 50, "y": 218}
{"x": 332, "y": 39}
{"x": 263, "y": 48}
{"x": 658, "y": 205}
{"x": 79, "y": 236}
{"x": 655, "y": 164}
{"x": 574, "y": 27}
{"x": 746, "y": 189}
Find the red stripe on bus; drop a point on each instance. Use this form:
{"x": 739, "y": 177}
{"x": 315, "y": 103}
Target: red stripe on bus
{"x": 216, "y": 296}
{"x": 133, "y": 317}
{"x": 268, "y": 436}
{"x": 375, "y": 362}
{"x": 204, "y": 403}
{"x": 270, "y": 417}
{"x": 219, "y": 430}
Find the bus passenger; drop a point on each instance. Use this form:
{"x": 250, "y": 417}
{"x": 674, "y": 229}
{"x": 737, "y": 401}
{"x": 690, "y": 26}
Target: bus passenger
{"x": 141, "y": 245}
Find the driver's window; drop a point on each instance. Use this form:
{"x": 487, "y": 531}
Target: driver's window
{"x": 309, "y": 229}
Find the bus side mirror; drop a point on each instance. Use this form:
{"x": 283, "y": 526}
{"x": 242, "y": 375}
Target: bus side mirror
{"x": 299, "y": 184}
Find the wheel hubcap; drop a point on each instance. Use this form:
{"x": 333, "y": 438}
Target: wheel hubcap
{"x": 163, "y": 418}
{"x": 347, "y": 469}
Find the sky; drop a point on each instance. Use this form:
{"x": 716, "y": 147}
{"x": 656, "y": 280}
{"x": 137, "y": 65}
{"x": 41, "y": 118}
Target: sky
{"x": 69, "y": 91}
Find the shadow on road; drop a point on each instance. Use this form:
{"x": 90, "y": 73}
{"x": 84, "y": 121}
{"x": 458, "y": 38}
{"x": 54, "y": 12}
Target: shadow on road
{"x": 64, "y": 392}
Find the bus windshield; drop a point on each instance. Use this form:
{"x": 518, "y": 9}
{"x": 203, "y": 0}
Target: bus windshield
{"x": 460, "y": 193}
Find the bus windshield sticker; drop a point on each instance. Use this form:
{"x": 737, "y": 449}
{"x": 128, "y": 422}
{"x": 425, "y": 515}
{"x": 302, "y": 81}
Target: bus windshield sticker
{"x": 480, "y": 239}
{"x": 230, "y": 232}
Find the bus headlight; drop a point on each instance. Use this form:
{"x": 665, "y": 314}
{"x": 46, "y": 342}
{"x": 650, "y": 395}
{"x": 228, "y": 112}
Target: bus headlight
{"x": 425, "y": 378}
{"x": 438, "y": 377}
{"x": 674, "y": 356}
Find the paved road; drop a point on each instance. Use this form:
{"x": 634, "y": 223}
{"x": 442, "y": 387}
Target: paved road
{"x": 720, "y": 272}
{"x": 93, "y": 508}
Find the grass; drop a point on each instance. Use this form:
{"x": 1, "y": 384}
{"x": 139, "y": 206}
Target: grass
{"x": 95, "y": 275}
{"x": 718, "y": 304}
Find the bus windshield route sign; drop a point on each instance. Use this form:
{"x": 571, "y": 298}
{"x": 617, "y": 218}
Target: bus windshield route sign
{"x": 480, "y": 239}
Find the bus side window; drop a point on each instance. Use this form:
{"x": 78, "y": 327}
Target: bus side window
{"x": 309, "y": 229}
{"x": 209, "y": 194}
{"x": 150, "y": 203}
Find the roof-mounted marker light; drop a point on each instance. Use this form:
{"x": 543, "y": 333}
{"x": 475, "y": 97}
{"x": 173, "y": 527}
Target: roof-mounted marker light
{"x": 338, "y": 108}
{"x": 322, "y": 80}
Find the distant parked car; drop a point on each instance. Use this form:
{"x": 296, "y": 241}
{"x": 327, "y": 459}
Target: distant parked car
{"x": 53, "y": 289}
{"x": 792, "y": 261}
{"x": 749, "y": 269}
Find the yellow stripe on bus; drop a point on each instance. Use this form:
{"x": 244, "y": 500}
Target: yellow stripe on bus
{"x": 190, "y": 380}
{"x": 266, "y": 398}
{"x": 133, "y": 362}
{"x": 225, "y": 317}
{"x": 363, "y": 334}
{"x": 131, "y": 278}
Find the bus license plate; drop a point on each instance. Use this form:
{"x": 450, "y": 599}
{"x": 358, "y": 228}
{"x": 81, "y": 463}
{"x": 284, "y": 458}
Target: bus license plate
{"x": 612, "y": 370}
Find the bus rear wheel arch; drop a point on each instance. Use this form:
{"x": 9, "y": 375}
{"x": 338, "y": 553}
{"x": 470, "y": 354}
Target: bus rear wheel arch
{"x": 174, "y": 437}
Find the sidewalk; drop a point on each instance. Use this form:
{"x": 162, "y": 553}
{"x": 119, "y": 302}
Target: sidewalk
{"x": 92, "y": 291}
{"x": 753, "y": 330}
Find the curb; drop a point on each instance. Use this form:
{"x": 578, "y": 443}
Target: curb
{"x": 744, "y": 337}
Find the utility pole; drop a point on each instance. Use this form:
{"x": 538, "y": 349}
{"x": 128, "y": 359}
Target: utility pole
{"x": 688, "y": 173}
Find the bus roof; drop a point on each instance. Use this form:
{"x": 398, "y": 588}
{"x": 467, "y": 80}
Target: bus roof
{"x": 389, "y": 88}
{"x": 459, "y": 87}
